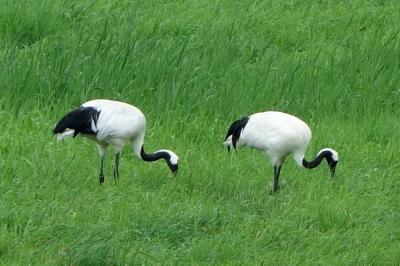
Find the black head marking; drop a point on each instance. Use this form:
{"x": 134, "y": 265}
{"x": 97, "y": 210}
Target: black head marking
{"x": 173, "y": 167}
{"x": 331, "y": 162}
{"x": 236, "y": 129}
{"x": 79, "y": 120}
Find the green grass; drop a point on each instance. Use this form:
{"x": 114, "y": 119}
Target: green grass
{"x": 193, "y": 67}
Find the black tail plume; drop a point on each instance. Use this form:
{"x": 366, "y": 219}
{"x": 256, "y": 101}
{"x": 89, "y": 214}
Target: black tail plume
{"x": 80, "y": 120}
{"x": 236, "y": 129}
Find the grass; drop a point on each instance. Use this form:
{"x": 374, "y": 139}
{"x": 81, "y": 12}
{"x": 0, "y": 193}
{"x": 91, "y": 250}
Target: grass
{"x": 193, "y": 67}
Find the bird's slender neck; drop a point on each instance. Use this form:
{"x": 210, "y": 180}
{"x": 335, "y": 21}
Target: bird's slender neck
{"x": 314, "y": 163}
{"x": 170, "y": 158}
{"x": 150, "y": 157}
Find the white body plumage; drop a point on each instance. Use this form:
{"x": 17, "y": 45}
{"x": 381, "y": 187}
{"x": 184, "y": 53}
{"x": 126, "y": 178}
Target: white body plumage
{"x": 277, "y": 134}
{"x": 117, "y": 123}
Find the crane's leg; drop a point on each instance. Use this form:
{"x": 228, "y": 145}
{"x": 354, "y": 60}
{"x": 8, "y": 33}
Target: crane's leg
{"x": 102, "y": 152}
{"x": 117, "y": 149}
{"x": 277, "y": 171}
{"x": 116, "y": 167}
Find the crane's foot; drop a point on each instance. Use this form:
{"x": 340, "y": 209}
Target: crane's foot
{"x": 101, "y": 179}
{"x": 116, "y": 175}
{"x": 275, "y": 187}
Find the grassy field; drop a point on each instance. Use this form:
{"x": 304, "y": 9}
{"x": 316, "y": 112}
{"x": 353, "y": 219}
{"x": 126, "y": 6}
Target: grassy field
{"x": 193, "y": 67}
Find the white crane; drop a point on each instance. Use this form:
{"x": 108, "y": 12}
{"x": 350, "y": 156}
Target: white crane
{"x": 111, "y": 123}
{"x": 278, "y": 135}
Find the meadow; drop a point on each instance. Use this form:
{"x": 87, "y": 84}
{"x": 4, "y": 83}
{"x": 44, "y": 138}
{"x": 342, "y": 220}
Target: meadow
{"x": 193, "y": 67}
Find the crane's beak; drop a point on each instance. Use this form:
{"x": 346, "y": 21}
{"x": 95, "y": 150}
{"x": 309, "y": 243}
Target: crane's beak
{"x": 332, "y": 171}
{"x": 332, "y": 168}
{"x": 175, "y": 170}
{"x": 229, "y": 148}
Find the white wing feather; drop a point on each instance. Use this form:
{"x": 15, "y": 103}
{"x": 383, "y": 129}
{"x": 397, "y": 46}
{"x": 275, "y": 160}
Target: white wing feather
{"x": 65, "y": 134}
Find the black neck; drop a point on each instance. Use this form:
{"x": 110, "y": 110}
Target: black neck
{"x": 154, "y": 156}
{"x": 314, "y": 163}
{"x": 158, "y": 155}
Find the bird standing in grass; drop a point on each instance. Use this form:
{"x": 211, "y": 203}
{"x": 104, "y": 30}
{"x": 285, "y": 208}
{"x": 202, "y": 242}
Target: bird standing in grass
{"x": 111, "y": 123}
{"x": 278, "y": 135}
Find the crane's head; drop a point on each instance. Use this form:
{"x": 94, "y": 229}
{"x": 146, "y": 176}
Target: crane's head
{"x": 172, "y": 161}
{"x": 332, "y": 157}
